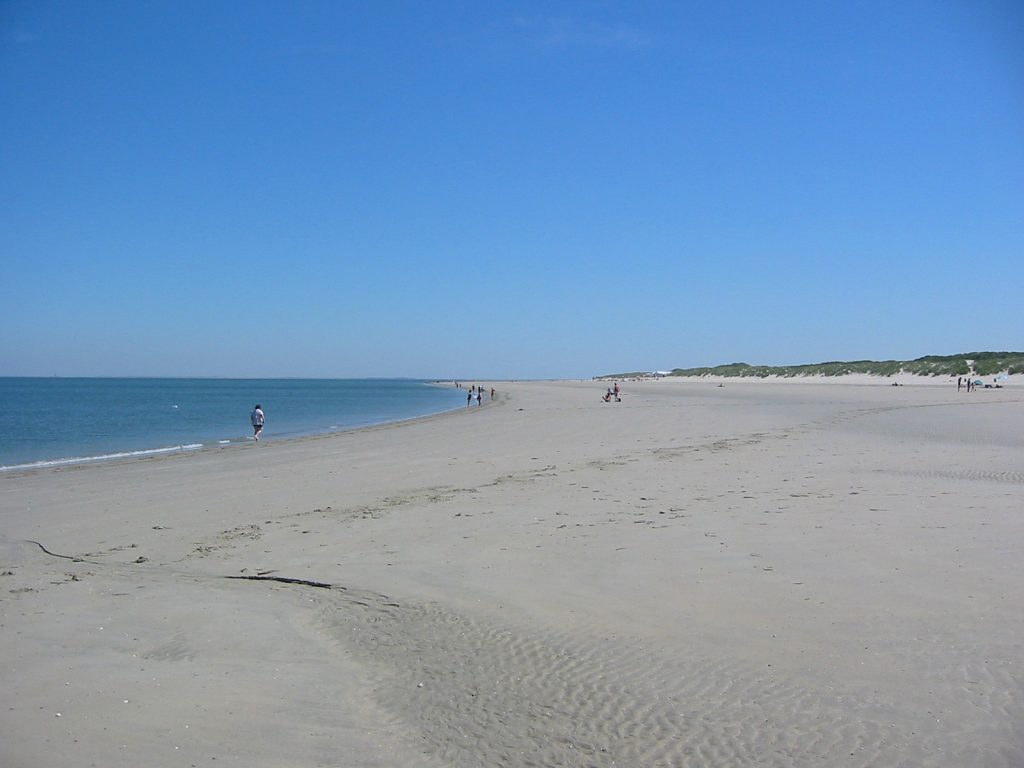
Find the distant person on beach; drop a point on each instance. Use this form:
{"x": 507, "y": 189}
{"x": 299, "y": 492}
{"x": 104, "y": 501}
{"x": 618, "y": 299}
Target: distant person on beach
{"x": 469, "y": 397}
{"x": 959, "y": 382}
{"x": 480, "y": 396}
{"x": 257, "y": 418}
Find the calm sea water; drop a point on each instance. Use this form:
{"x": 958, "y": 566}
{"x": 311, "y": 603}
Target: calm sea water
{"x": 56, "y": 420}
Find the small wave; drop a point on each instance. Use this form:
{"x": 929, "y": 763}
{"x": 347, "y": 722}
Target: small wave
{"x": 104, "y": 457}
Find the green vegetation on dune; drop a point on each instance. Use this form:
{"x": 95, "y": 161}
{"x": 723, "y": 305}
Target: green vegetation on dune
{"x": 973, "y": 363}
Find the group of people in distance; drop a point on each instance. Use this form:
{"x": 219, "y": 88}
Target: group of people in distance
{"x": 476, "y": 392}
{"x": 972, "y": 383}
{"x": 612, "y": 394}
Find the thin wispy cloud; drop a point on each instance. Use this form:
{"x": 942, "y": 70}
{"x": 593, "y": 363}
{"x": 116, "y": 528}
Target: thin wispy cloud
{"x": 561, "y": 32}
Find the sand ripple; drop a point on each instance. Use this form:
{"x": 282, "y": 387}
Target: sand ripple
{"x": 478, "y": 693}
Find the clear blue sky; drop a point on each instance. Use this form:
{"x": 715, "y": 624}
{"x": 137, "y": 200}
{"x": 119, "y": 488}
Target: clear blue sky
{"x": 506, "y": 189}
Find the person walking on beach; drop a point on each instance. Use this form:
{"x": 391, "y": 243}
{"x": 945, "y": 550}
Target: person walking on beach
{"x": 257, "y": 418}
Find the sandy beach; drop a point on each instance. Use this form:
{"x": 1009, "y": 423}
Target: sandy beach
{"x": 753, "y": 574}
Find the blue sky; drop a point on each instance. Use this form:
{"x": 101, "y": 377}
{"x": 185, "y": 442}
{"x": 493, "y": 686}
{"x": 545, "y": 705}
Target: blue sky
{"x": 505, "y": 189}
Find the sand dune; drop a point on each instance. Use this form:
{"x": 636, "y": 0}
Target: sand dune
{"x": 797, "y": 574}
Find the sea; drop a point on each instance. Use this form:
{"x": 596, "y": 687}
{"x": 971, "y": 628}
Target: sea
{"x": 56, "y": 421}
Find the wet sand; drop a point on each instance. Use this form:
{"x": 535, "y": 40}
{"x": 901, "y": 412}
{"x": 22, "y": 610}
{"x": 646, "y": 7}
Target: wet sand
{"x": 769, "y": 574}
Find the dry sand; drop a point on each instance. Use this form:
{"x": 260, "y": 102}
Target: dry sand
{"x": 760, "y": 574}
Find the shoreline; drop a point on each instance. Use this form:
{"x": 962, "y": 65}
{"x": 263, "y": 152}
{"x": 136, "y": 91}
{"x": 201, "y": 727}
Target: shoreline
{"x": 853, "y": 379}
{"x": 195, "y": 448}
{"x": 214, "y": 445}
{"x": 777, "y": 575}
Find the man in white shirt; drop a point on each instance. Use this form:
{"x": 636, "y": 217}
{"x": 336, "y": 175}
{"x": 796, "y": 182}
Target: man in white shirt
{"x": 257, "y": 418}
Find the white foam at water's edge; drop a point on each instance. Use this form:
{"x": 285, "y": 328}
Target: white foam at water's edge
{"x": 224, "y": 443}
{"x": 56, "y": 437}
{"x": 105, "y": 457}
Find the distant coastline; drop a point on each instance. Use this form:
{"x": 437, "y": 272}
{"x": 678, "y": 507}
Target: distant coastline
{"x": 965, "y": 364}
